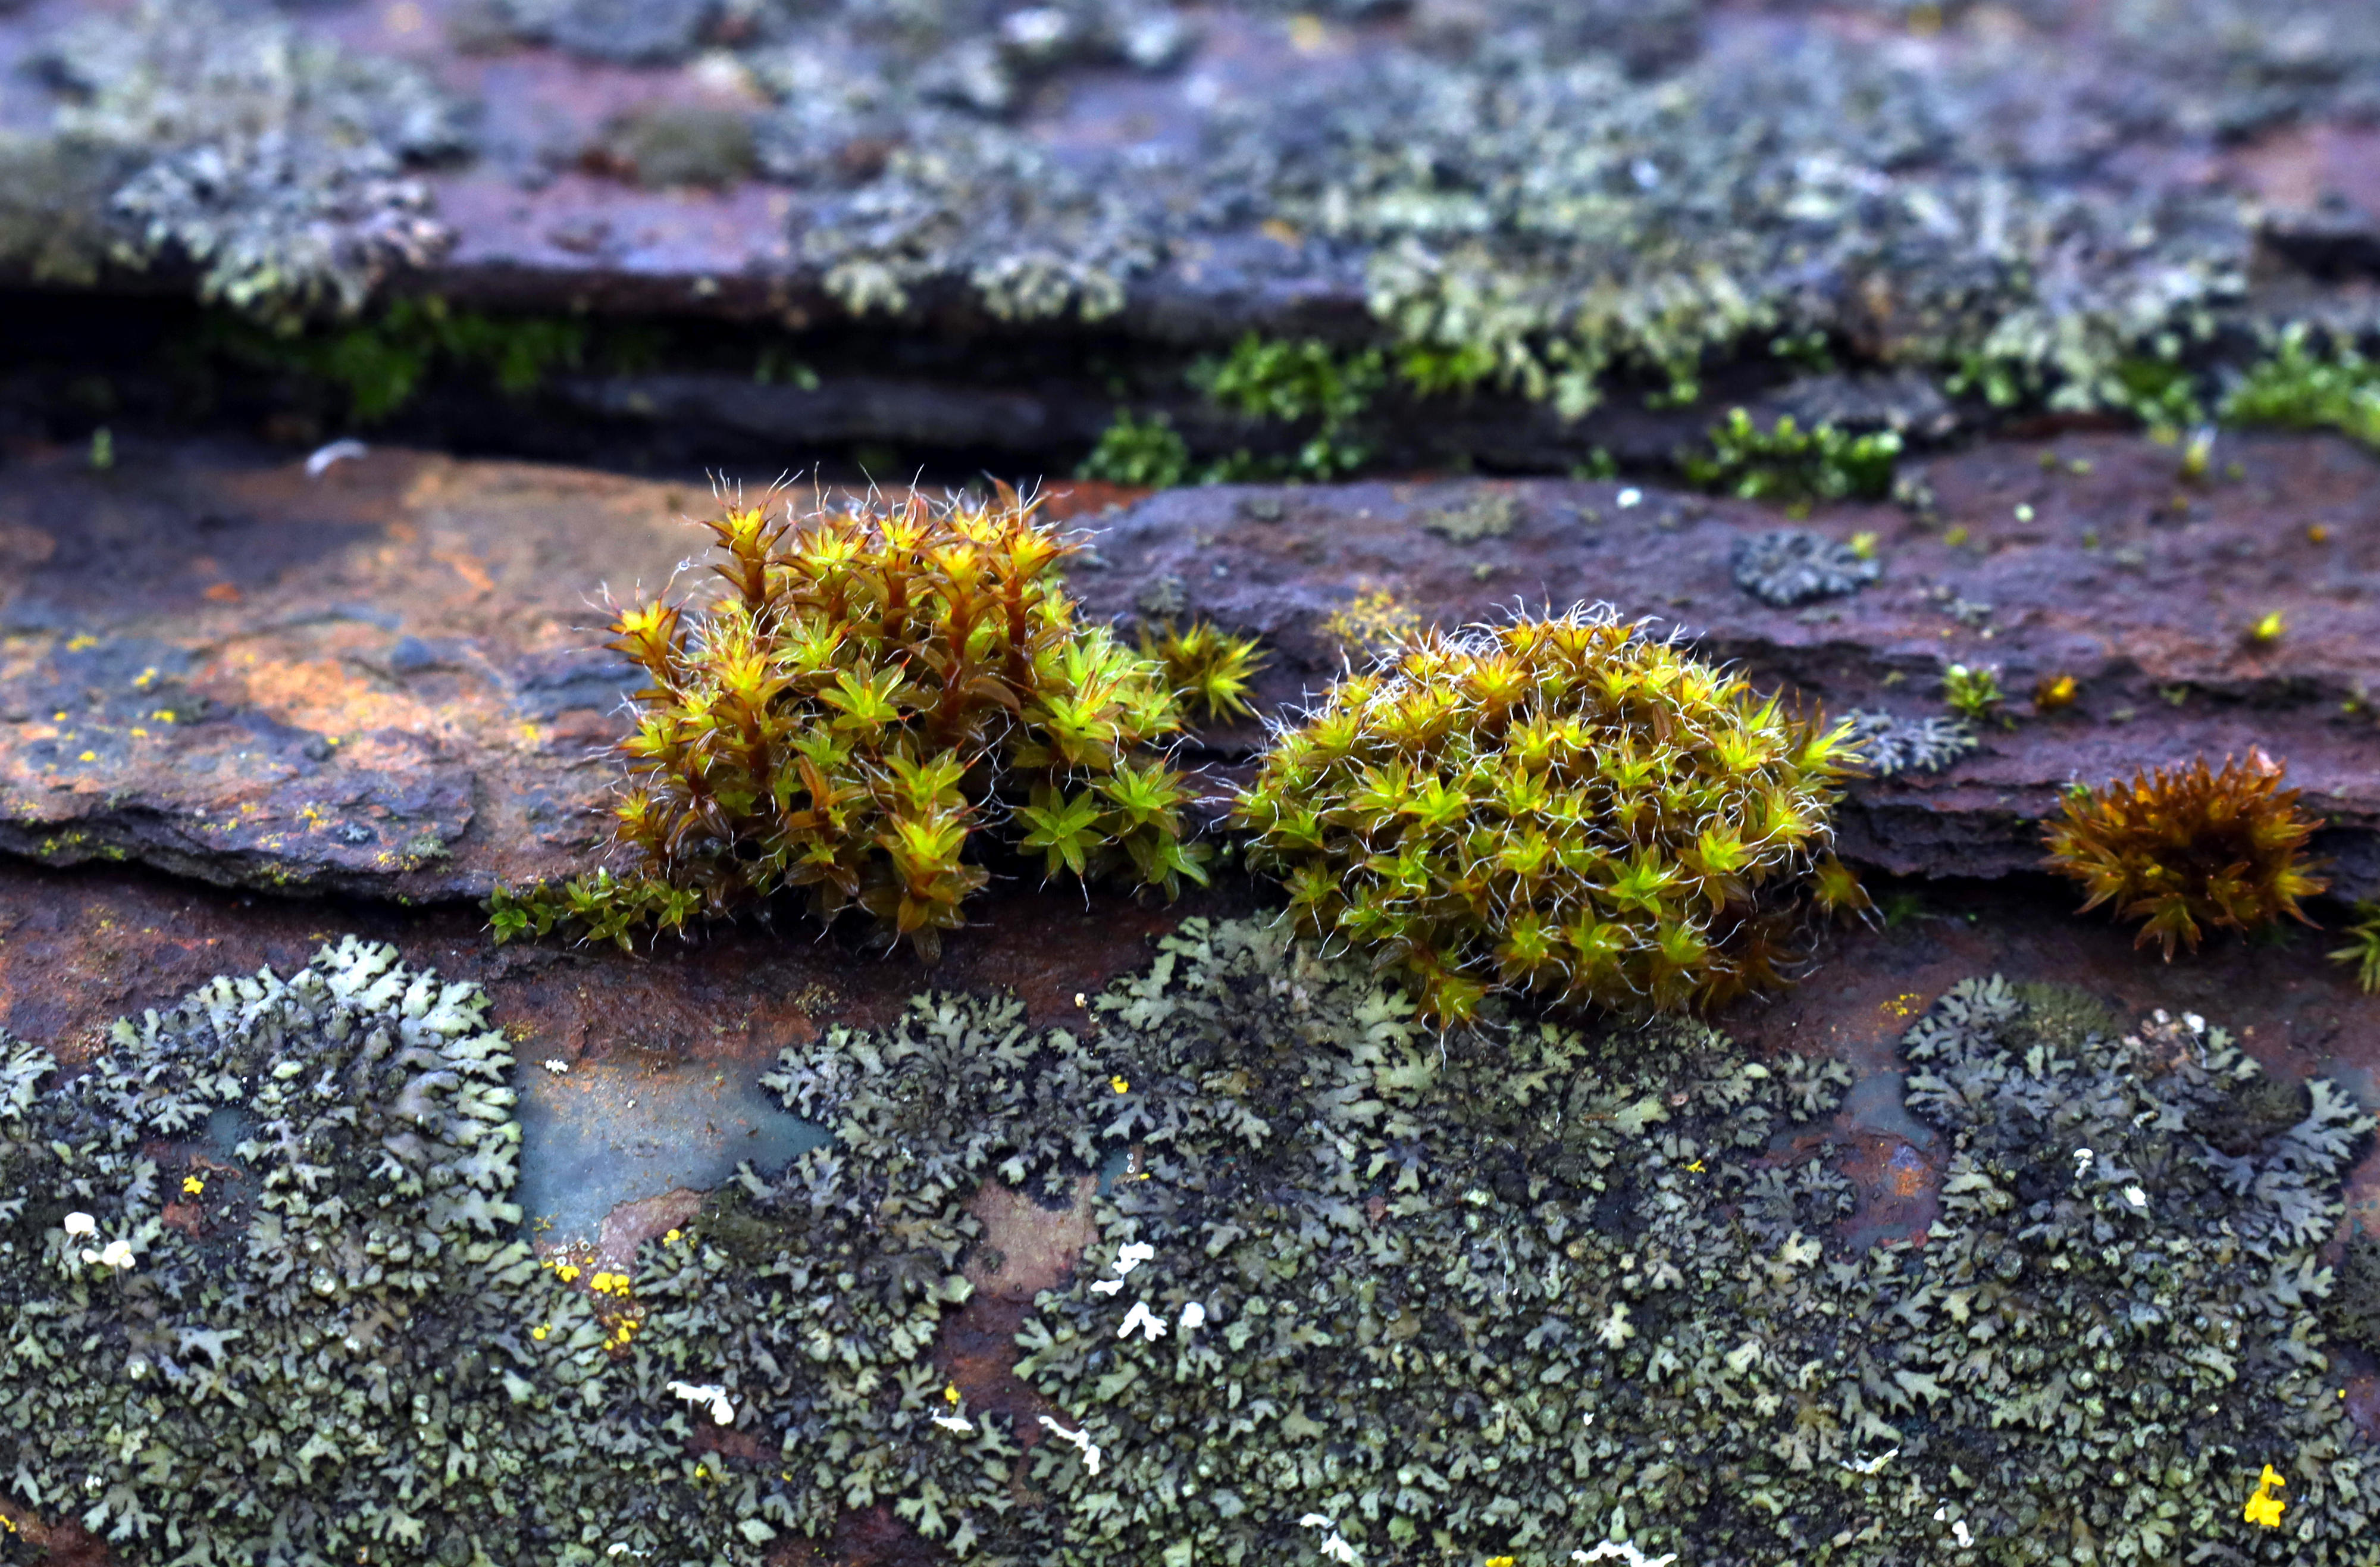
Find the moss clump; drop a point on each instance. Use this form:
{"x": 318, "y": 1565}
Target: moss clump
{"x": 1973, "y": 691}
{"x": 1788, "y": 463}
{"x": 2363, "y": 950}
{"x": 2300, "y": 389}
{"x": 1147, "y": 452}
{"x": 2191, "y": 848}
{"x": 1373, "y": 623}
{"x": 1208, "y": 667}
{"x": 1565, "y": 806}
{"x": 877, "y": 681}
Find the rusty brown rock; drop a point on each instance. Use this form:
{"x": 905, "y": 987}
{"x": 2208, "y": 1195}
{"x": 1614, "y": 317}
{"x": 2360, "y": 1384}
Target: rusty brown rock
{"x": 2142, "y": 587}
{"x": 389, "y": 681}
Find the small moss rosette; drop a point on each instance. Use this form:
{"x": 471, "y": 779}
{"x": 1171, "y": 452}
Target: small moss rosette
{"x": 1566, "y": 806}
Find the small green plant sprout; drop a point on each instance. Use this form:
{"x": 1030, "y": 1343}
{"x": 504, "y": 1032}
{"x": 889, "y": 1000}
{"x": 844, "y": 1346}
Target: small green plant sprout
{"x": 2191, "y": 848}
{"x": 2161, "y": 393}
{"x": 1435, "y": 371}
{"x": 1974, "y": 692}
{"x": 1149, "y": 453}
{"x": 2300, "y": 389}
{"x": 103, "y": 449}
{"x": 1208, "y": 667}
{"x": 1790, "y": 464}
{"x": 2268, "y": 628}
{"x": 1305, "y": 382}
{"x": 2363, "y": 950}
{"x": 1565, "y": 806}
{"x": 880, "y": 685}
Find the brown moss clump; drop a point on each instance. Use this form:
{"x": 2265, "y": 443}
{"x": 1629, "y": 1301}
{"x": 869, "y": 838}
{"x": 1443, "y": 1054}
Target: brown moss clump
{"x": 880, "y": 687}
{"x": 2188, "y": 849}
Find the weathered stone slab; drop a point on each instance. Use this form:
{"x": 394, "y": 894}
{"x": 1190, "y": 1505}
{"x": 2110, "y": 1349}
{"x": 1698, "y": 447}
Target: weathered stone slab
{"x": 389, "y": 680}
{"x": 1594, "y": 196}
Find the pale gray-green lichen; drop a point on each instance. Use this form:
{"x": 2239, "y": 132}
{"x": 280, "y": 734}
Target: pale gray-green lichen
{"x": 1474, "y": 1297}
{"x": 1504, "y": 1292}
{"x": 267, "y": 1303}
{"x": 274, "y": 166}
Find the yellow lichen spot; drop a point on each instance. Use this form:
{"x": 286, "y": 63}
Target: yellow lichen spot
{"x": 1903, "y": 1006}
{"x": 146, "y": 678}
{"x": 59, "y": 716}
{"x": 2053, "y": 694}
{"x": 1373, "y": 623}
{"x": 567, "y": 1273}
{"x": 1498, "y": 1561}
{"x": 2268, "y": 628}
{"x": 140, "y": 734}
{"x": 2263, "y": 1507}
{"x": 192, "y": 1185}
{"x": 76, "y": 644}
{"x": 950, "y": 1394}
{"x": 540, "y": 1331}
{"x": 1119, "y": 1085}
{"x": 1956, "y": 536}
{"x": 162, "y": 715}
{"x": 88, "y": 756}
{"x": 672, "y": 1238}
{"x": 2317, "y": 534}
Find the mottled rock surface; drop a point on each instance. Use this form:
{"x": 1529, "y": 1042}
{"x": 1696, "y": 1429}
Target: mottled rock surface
{"x": 389, "y": 680}
{"x": 1568, "y": 205}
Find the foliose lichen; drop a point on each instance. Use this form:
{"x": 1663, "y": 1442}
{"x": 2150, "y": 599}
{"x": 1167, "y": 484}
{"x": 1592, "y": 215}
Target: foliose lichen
{"x": 1889, "y": 743}
{"x": 275, "y": 165}
{"x": 1502, "y": 1294}
{"x": 1513, "y": 1290}
{"x": 268, "y": 1302}
{"x": 1786, "y": 567}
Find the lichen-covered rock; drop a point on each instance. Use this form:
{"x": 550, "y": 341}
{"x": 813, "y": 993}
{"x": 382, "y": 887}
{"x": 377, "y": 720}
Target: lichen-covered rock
{"x": 1441, "y": 1297}
{"x": 268, "y": 1301}
{"x": 274, "y": 164}
{"x": 637, "y": 31}
{"x": 1503, "y": 1291}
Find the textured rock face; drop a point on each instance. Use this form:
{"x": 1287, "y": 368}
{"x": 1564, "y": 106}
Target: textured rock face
{"x": 387, "y": 679}
{"x": 244, "y": 710}
{"x": 1555, "y": 204}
